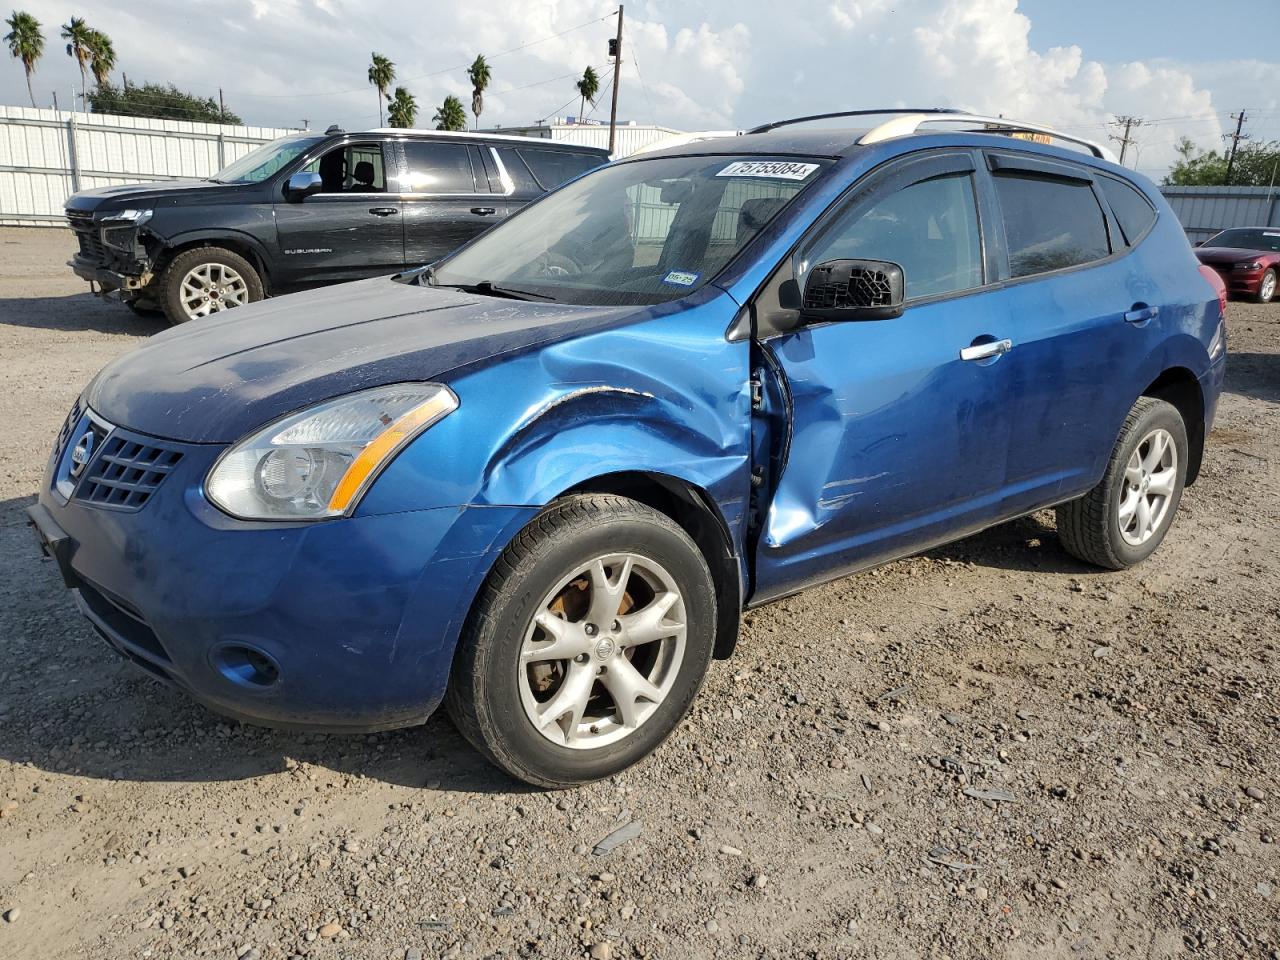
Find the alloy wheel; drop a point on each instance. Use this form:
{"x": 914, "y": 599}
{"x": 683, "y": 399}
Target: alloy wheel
{"x": 603, "y": 651}
{"x": 1150, "y": 480}
{"x": 210, "y": 288}
{"x": 1268, "y": 289}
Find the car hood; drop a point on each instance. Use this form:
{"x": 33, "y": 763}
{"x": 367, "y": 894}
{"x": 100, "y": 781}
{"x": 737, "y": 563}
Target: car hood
{"x": 215, "y": 380}
{"x": 1232, "y": 254}
{"x": 122, "y": 195}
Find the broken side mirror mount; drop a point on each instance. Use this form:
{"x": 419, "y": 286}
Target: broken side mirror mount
{"x": 838, "y": 290}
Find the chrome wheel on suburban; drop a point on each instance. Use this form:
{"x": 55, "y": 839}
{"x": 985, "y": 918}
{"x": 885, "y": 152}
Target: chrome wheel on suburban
{"x": 603, "y": 651}
{"x": 587, "y": 644}
{"x": 207, "y": 280}
{"x": 1124, "y": 518}
{"x": 1150, "y": 478}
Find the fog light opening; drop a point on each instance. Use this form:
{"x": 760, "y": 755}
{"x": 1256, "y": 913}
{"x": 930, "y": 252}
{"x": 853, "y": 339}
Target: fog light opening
{"x": 246, "y": 666}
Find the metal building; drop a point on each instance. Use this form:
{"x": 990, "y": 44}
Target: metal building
{"x": 1203, "y": 211}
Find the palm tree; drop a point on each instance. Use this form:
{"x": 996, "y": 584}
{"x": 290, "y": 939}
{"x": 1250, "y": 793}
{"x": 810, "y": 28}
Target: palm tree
{"x": 479, "y": 74}
{"x": 450, "y": 115}
{"x": 588, "y": 87}
{"x": 102, "y": 57}
{"x": 382, "y": 73}
{"x": 26, "y": 43}
{"x": 79, "y": 37}
{"x": 403, "y": 110}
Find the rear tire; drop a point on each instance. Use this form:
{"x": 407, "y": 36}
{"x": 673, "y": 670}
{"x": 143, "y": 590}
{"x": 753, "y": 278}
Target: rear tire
{"x": 1267, "y": 287}
{"x": 1122, "y": 520}
{"x": 206, "y": 280}
{"x": 628, "y": 602}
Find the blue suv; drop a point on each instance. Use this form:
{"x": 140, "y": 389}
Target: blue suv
{"x": 540, "y": 479}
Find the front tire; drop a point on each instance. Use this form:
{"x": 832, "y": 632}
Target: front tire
{"x": 1122, "y": 520}
{"x": 207, "y": 280}
{"x": 1267, "y": 287}
{"x": 587, "y": 644}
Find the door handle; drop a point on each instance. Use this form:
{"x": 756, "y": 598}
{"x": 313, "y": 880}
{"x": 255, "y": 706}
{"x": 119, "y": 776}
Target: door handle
{"x": 1140, "y": 314}
{"x": 384, "y": 211}
{"x": 983, "y": 351}
{"x": 483, "y": 211}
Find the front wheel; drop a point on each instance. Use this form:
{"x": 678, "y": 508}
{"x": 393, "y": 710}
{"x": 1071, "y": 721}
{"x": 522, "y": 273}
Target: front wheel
{"x": 1267, "y": 288}
{"x": 1124, "y": 518}
{"x": 588, "y": 642}
{"x": 205, "y": 281}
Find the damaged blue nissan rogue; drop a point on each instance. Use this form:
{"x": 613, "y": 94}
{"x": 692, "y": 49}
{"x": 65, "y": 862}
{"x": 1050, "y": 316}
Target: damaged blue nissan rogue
{"x": 539, "y": 480}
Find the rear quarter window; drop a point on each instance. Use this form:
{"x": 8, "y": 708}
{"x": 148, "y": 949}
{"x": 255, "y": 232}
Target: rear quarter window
{"x": 554, "y": 167}
{"x": 518, "y": 171}
{"x": 1132, "y": 210}
{"x": 1050, "y": 224}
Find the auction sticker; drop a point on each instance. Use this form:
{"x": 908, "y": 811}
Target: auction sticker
{"x": 774, "y": 169}
{"x": 681, "y": 278}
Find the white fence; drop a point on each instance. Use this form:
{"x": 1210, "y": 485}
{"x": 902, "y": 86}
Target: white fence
{"x": 47, "y": 155}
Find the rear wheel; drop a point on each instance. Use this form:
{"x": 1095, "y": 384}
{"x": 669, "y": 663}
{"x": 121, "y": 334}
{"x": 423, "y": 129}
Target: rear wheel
{"x": 1124, "y": 518}
{"x": 588, "y": 643}
{"x": 205, "y": 281}
{"x": 1267, "y": 288}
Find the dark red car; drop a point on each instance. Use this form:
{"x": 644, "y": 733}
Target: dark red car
{"x": 1247, "y": 259}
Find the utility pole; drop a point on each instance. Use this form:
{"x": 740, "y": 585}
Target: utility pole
{"x": 306, "y": 124}
{"x": 617, "y": 74}
{"x": 1235, "y": 139}
{"x": 222, "y": 107}
{"x": 1129, "y": 123}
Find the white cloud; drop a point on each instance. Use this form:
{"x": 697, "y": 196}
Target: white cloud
{"x": 703, "y": 65}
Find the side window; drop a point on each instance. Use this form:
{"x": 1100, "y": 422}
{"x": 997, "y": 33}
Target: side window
{"x": 519, "y": 173}
{"x": 354, "y": 168}
{"x": 1050, "y": 223}
{"x": 929, "y": 228}
{"x": 554, "y": 167}
{"x": 434, "y": 167}
{"x": 1132, "y": 210}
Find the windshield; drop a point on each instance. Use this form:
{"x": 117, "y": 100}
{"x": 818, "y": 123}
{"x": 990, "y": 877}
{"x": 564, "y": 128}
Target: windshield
{"x": 1248, "y": 240}
{"x": 639, "y": 232}
{"x": 256, "y": 165}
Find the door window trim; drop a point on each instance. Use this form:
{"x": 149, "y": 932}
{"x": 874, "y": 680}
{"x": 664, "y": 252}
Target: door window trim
{"x": 394, "y": 160}
{"x": 1151, "y": 225}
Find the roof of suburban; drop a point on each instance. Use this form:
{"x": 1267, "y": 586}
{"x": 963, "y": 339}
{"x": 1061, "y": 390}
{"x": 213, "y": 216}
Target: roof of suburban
{"x": 469, "y": 135}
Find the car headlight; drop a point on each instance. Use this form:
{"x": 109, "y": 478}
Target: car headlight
{"x": 135, "y": 217}
{"x": 1247, "y": 265}
{"x": 316, "y": 463}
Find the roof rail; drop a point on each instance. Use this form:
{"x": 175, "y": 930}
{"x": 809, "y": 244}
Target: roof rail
{"x": 910, "y": 123}
{"x": 766, "y": 127}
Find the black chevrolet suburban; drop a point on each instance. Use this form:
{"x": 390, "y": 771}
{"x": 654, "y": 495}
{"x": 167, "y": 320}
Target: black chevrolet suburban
{"x": 307, "y": 210}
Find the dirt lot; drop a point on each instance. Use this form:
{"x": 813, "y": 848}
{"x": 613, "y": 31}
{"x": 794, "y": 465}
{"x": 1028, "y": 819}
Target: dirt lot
{"x": 814, "y": 805}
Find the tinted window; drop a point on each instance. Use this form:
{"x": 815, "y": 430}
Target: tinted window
{"x": 518, "y": 172}
{"x": 554, "y": 167}
{"x": 1247, "y": 240}
{"x": 1132, "y": 210}
{"x": 433, "y": 167}
{"x": 1050, "y": 224}
{"x": 355, "y": 168}
{"x": 929, "y": 228}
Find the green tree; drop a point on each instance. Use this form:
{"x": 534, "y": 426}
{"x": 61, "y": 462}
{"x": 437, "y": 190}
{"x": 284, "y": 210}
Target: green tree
{"x": 450, "y": 115}
{"x": 79, "y": 37}
{"x": 1257, "y": 165}
{"x": 587, "y": 89}
{"x": 403, "y": 111}
{"x": 382, "y": 73}
{"x": 479, "y": 74}
{"x": 26, "y": 43}
{"x": 166, "y": 102}
{"x": 102, "y": 57}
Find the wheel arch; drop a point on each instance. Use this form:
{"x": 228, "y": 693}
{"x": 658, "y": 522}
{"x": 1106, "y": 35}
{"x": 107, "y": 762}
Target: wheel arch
{"x": 239, "y": 243}
{"x": 696, "y": 513}
{"x": 1178, "y": 386}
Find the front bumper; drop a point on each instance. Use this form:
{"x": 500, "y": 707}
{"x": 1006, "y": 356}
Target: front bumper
{"x": 353, "y": 621}
{"x": 109, "y": 280}
{"x": 1240, "y": 283}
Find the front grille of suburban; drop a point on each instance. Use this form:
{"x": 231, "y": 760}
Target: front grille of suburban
{"x": 91, "y": 246}
{"x": 125, "y": 472}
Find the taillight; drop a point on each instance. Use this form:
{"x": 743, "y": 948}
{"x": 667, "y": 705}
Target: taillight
{"x": 1218, "y": 285}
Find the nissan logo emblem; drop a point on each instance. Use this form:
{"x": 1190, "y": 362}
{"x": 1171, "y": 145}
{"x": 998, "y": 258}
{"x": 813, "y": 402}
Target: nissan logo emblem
{"x": 81, "y": 453}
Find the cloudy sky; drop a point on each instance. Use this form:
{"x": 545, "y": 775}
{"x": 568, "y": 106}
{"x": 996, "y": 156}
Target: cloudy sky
{"x": 695, "y": 64}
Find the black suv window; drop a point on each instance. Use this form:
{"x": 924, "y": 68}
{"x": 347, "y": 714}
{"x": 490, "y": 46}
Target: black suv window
{"x": 929, "y": 228}
{"x": 554, "y": 167}
{"x": 518, "y": 171}
{"x": 434, "y": 167}
{"x": 1050, "y": 223}
{"x": 353, "y": 168}
{"x": 1132, "y": 210}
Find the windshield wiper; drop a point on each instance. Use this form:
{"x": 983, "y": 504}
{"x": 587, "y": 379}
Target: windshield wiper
{"x": 488, "y": 288}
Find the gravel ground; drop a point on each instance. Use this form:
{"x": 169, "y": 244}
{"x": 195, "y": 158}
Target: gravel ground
{"x": 986, "y": 751}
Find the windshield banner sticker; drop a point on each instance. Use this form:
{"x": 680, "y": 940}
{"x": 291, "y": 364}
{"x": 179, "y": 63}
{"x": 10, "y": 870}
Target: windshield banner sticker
{"x": 775, "y": 169}
{"x": 681, "y": 278}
